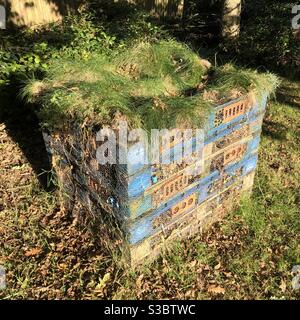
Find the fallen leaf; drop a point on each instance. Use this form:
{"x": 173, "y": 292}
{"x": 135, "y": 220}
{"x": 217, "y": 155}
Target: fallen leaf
{"x": 282, "y": 286}
{"x": 216, "y": 290}
{"x": 193, "y": 264}
{"x": 103, "y": 282}
{"x": 33, "y": 252}
{"x": 63, "y": 266}
{"x": 228, "y": 274}
{"x": 139, "y": 282}
{"x": 218, "y": 266}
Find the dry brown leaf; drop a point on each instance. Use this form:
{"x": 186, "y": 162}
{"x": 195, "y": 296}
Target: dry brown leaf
{"x": 63, "y": 266}
{"x": 193, "y": 263}
{"x": 139, "y": 282}
{"x": 228, "y": 274}
{"x": 216, "y": 290}
{"x": 218, "y": 266}
{"x": 33, "y": 252}
{"x": 282, "y": 286}
{"x": 103, "y": 282}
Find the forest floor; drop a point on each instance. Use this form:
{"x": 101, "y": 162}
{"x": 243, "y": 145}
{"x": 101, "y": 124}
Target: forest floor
{"x": 248, "y": 255}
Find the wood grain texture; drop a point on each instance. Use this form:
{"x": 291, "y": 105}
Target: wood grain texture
{"x": 33, "y": 13}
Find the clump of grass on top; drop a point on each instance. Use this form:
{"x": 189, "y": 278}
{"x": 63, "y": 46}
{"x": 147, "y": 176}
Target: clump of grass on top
{"x": 169, "y": 62}
{"x": 174, "y": 112}
{"x": 230, "y": 81}
{"x": 82, "y": 89}
{"x": 159, "y": 85}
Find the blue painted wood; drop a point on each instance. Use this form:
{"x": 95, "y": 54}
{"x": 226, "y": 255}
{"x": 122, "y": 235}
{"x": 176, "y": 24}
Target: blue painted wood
{"x": 137, "y": 207}
{"x": 138, "y": 183}
{"x": 142, "y": 228}
{"x": 137, "y": 158}
{"x": 136, "y": 203}
{"x": 132, "y": 192}
{"x": 137, "y": 151}
{"x": 246, "y": 166}
{"x": 230, "y": 129}
{"x": 253, "y": 128}
{"x": 253, "y": 144}
{"x": 264, "y": 101}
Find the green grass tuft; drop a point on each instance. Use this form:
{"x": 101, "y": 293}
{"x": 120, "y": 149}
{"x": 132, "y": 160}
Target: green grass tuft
{"x": 230, "y": 77}
{"x": 153, "y": 85}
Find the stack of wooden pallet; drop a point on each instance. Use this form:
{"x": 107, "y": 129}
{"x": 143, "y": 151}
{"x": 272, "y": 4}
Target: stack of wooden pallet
{"x": 155, "y": 204}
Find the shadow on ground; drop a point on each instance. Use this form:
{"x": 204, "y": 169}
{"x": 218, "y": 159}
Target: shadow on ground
{"x": 288, "y": 95}
{"x": 274, "y": 129}
{"x": 23, "y": 127}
